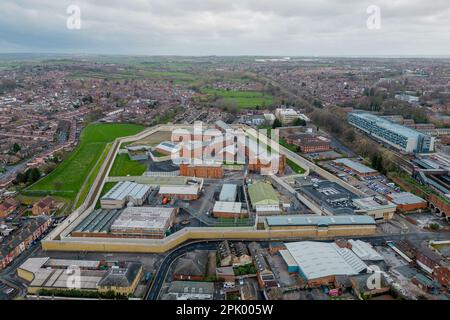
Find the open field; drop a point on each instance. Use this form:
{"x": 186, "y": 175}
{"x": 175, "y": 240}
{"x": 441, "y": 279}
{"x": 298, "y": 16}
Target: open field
{"x": 153, "y": 139}
{"x": 244, "y": 99}
{"x": 92, "y": 175}
{"x": 67, "y": 179}
{"x": 124, "y": 166}
{"x": 139, "y": 74}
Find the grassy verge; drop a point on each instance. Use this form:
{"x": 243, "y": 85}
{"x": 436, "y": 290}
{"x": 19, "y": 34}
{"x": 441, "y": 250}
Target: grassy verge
{"x": 295, "y": 167}
{"x": 124, "y": 166}
{"x": 93, "y": 175}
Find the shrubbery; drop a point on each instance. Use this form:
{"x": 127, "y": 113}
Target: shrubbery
{"x": 73, "y": 293}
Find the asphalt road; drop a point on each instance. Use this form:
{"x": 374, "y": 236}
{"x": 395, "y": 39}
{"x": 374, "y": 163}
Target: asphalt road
{"x": 161, "y": 274}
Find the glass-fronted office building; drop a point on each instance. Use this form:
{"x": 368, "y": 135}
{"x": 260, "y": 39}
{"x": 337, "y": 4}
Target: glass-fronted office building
{"x": 398, "y": 136}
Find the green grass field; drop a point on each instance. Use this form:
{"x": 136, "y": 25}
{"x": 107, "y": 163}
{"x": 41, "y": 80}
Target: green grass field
{"x": 244, "y": 99}
{"x": 123, "y": 166}
{"x": 92, "y": 175}
{"x": 130, "y": 74}
{"x": 67, "y": 179}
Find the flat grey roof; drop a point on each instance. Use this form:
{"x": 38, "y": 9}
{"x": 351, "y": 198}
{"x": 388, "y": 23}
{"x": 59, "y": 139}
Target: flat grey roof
{"x": 356, "y": 166}
{"x": 143, "y": 218}
{"x": 405, "y": 198}
{"x": 231, "y": 207}
{"x": 314, "y": 220}
{"x": 228, "y": 191}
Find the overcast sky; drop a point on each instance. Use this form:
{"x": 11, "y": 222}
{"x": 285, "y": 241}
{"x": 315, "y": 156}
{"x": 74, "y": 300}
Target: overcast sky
{"x": 227, "y": 27}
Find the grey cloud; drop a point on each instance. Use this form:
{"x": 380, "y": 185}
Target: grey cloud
{"x": 274, "y": 27}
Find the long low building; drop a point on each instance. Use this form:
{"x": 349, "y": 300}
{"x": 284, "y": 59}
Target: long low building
{"x": 125, "y": 192}
{"x": 398, "y": 136}
{"x": 377, "y": 207}
{"x": 186, "y": 192}
{"x": 58, "y": 274}
{"x": 406, "y": 201}
{"x": 132, "y": 222}
{"x": 147, "y": 222}
{"x": 323, "y": 226}
{"x": 224, "y": 209}
{"x": 358, "y": 168}
{"x": 320, "y": 262}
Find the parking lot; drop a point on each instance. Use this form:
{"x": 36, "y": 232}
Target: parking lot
{"x": 376, "y": 185}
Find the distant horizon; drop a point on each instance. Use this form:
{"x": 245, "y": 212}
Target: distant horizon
{"x": 387, "y": 56}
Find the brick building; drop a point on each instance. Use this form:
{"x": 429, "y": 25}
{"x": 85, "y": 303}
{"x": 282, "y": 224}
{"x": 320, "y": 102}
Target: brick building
{"x": 203, "y": 171}
{"x": 309, "y": 143}
{"x": 7, "y": 207}
{"x": 44, "y": 206}
{"x": 20, "y": 240}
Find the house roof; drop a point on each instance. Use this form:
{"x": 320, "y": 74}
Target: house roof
{"x": 192, "y": 264}
{"x": 122, "y": 277}
{"x": 191, "y": 287}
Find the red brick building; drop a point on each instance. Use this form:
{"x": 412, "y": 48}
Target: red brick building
{"x": 43, "y": 206}
{"x": 20, "y": 240}
{"x": 7, "y": 207}
{"x": 309, "y": 143}
{"x": 209, "y": 172}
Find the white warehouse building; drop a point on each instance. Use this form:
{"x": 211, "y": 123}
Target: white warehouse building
{"x": 125, "y": 192}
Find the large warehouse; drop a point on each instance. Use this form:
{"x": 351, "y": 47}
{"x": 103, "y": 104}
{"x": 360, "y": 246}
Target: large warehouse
{"x": 323, "y": 226}
{"x": 264, "y": 199}
{"x": 228, "y": 193}
{"x": 319, "y": 262}
{"x": 147, "y": 222}
{"x": 123, "y": 192}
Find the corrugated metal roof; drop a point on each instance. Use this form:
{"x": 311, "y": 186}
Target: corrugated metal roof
{"x": 124, "y": 189}
{"x": 314, "y": 220}
{"x": 262, "y": 193}
{"x": 320, "y": 259}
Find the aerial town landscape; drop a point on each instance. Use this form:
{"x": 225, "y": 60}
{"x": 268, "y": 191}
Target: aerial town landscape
{"x": 148, "y": 176}
{"x": 230, "y": 178}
